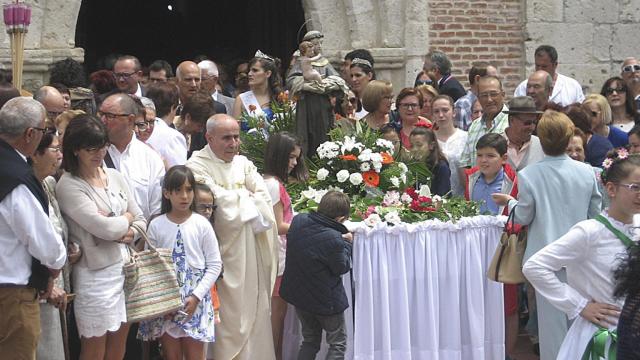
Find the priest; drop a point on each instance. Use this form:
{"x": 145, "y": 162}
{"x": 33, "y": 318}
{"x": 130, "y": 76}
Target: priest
{"x": 247, "y": 235}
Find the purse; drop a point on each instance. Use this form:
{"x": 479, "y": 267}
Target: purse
{"x": 506, "y": 264}
{"x": 151, "y": 287}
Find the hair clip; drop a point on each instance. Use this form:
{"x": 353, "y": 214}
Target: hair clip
{"x": 261, "y": 55}
{"x": 424, "y": 124}
{"x": 358, "y": 61}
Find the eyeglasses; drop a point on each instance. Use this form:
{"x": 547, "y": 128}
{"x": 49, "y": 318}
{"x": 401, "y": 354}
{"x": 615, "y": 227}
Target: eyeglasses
{"x": 206, "y": 207}
{"x": 95, "y": 149}
{"x": 409, "y": 106}
{"x": 423, "y": 82}
{"x": 486, "y": 95}
{"x": 53, "y": 114}
{"x": 635, "y": 188}
{"x": 123, "y": 75}
{"x": 110, "y": 116}
{"x": 631, "y": 68}
{"x": 609, "y": 91}
{"x": 55, "y": 149}
{"x": 144, "y": 125}
{"x": 44, "y": 130}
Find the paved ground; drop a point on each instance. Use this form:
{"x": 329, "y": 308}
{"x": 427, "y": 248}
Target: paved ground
{"x": 524, "y": 348}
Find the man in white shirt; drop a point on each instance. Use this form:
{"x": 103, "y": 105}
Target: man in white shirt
{"x": 128, "y": 72}
{"x": 631, "y": 75}
{"x": 141, "y": 165}
{"x": 209, "y": 81}
{"x": 566, "y": 91}
{"x": 29, "y": 243}
{"x": 169, "y": 142}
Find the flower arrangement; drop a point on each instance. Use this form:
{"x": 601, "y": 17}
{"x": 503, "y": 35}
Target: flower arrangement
{"x": 259, "y": 127}
{"x": 379, "y": 186}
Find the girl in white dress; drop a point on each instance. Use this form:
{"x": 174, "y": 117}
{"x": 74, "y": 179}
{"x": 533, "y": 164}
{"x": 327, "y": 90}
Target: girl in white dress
{"x": 590, "y": 252}
{"x": 197, "y": 262}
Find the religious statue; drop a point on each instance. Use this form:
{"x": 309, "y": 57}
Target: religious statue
{"x": 313, "y": 80}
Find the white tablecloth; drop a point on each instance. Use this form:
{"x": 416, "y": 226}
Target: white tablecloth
{"x": 421, "y": 293}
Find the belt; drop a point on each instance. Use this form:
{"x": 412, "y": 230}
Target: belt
{"x": 13, "y": 286}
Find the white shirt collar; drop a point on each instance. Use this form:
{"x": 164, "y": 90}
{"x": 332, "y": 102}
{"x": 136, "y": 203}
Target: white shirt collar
{"x": 138, "y": 92}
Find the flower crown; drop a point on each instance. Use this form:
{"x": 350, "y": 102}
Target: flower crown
{"x": 613, "y": 157}
{"x": 359, "y": 61}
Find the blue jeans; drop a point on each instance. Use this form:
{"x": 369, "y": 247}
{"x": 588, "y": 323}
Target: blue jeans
{"x": 312, "y": 326}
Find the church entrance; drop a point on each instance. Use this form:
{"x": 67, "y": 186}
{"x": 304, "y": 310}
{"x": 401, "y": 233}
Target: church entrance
{"x": 178, "y": 30}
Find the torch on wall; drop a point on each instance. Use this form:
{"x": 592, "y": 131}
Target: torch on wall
{"x": 17, "y": 17}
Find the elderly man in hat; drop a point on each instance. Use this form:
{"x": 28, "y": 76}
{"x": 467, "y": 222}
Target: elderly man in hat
{"x": 523, "y": 147}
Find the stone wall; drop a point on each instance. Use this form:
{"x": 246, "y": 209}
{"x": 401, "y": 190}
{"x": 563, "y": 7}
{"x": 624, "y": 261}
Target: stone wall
{"x": 484, "y": 30}
{"x": 592, "y": 36}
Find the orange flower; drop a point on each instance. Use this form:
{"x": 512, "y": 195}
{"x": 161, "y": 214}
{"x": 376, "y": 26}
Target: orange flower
{"x": 371, "y": 178}
{"x": 386, "y": 158}
{"x": 252, "y": 107}
{"x": 283, "y": 97}
{"x": 348, "y": 157}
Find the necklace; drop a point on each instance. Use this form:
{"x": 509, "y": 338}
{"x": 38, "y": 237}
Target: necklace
{"x": 106, "y": 192}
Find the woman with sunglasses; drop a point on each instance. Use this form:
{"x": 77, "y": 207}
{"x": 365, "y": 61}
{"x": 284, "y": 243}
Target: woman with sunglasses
{"x": 621, "y": 102}
{"x": 345, "y": 113}
{"x": 600, "y": 112}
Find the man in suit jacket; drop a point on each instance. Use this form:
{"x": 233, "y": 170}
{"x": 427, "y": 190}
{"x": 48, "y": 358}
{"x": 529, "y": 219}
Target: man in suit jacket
{"x": 128, "y": 72}
{"x": 438, "y": 66}
{"x": 209, "y": 75}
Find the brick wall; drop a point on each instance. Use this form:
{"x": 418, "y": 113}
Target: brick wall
{"x": 480, "y": 30}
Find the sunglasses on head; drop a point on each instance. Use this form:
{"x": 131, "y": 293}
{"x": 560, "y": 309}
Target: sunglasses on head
{"x": 631, "y": 68}
{"x": 423, "y": 82}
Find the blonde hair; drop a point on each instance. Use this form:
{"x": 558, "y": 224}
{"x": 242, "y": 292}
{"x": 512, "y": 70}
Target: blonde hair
{"x": 427, "y": 89}
{"x": 555, "y": 130}
{"x": 374, "y": 92}
{"x": 602, "y": 104}
{"x": 63, "y": 119}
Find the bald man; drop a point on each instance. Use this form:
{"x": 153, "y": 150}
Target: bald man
{"x": 52, "y": 101}
{"x": 247, "y": 235}
{"x": 540, "y": 87}
{"x": 189, "y": 79}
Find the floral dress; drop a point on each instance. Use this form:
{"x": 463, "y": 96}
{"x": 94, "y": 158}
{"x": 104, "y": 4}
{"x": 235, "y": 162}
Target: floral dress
{"x": 201, "y": 325}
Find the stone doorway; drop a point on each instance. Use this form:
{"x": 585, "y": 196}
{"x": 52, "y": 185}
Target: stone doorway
{"x": 177, "y": 30}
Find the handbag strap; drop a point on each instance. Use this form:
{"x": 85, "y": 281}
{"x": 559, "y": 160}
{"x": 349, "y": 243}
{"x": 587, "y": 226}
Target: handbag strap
{"x": 143, "y": 234}
{"x": 511, "y": 220}
{"x": 619, "y": 234}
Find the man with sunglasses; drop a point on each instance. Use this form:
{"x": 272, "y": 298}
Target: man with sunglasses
{"x": 128, "y": 71}
{"x": 523, "y": 148}
{"x": 631, "y": 76}
{"x": 566, "y": 91}
{"x": 141, "y": 166}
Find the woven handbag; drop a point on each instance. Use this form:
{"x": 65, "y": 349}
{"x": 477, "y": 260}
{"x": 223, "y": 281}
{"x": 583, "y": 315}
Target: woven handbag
{"x": 506, "y": 264}
{"x": 151, "y": 287}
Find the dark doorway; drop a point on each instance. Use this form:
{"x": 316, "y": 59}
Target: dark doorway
{"x": 178, "y": 30}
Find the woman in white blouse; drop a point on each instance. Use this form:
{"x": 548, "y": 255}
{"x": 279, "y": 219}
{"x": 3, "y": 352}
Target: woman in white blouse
{"x": 590, "y": 252}
{"x": 450, "y": 138}
{"x": 99, "y": 210}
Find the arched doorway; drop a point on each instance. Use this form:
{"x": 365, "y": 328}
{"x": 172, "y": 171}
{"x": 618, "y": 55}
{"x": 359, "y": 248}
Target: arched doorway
{"x": 177, "y": 30}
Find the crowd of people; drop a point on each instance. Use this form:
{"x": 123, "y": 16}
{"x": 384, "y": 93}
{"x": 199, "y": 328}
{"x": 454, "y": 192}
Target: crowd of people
{"x": 89, "y": 162}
